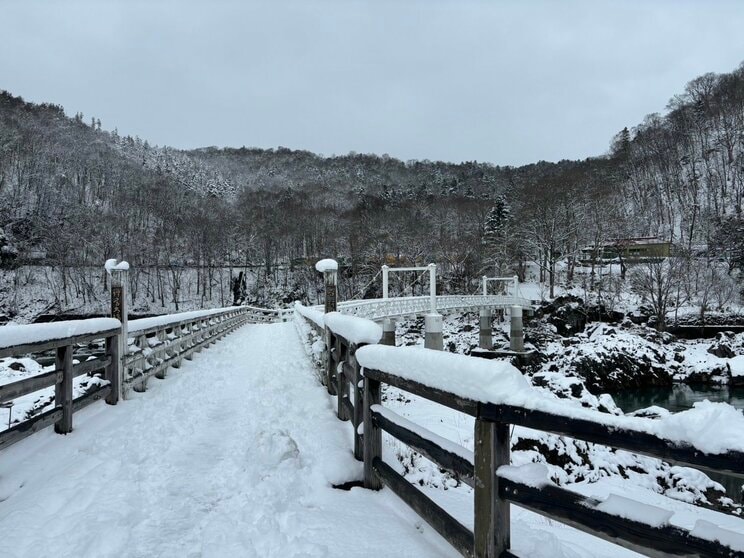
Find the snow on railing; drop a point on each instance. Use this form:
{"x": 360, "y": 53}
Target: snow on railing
{"x": 91, "y": 361}
{"x": 709, "y": 436}
{"x": 13, "y": 338}
{"x": 52, "y": 395}
{"x": 315, "y": 316}
{"x": 158, "y": 343}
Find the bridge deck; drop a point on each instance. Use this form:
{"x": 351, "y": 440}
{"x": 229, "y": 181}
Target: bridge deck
{"x": 232, "y": 455}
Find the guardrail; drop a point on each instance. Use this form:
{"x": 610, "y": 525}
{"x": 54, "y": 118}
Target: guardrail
{"x": 153, "y": 345}
{"x": 156, "y": 344}
{"x": 64, "y": 338}
{"x": 378, "y": 308}
{"x": 487, "y": 469}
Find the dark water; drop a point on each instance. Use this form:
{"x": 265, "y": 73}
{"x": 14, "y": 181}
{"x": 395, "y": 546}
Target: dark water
{"x": 680, "y": 398}
{"x": 677, "y": 398}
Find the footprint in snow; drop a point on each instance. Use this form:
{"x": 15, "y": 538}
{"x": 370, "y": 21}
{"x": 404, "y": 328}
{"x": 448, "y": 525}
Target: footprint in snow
{"x": 275, "y": 447}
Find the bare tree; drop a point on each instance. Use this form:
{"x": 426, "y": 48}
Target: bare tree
{"x": 655, "y": 280}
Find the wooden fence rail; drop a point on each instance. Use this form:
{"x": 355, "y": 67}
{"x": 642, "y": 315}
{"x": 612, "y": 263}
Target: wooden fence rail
{"x": 344, "y": 379}
{"x": 61, "y": 378}
{"x": 93, "y": 347}
{"x": 359, "y": 401}
{"x": 152, "y": 349}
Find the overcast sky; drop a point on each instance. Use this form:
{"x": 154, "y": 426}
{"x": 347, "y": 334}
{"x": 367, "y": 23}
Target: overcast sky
{"x": 505, "y": 82}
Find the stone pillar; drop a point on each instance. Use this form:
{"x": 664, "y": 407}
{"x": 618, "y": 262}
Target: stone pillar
{"x": 485, "y": 338}
{"x": 516, "y": 342}
{"x": 120, "y": 311}
{"x": 388, "y": 332}
{"x": 433, "y": 332}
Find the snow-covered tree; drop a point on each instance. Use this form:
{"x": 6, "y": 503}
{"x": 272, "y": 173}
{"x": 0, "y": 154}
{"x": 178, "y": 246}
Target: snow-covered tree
{"x": 495, "y": 231}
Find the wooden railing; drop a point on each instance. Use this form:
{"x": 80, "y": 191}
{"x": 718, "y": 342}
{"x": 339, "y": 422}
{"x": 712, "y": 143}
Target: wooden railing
{"x": 153, "y": 346}
{"x": 344, "y": 379}
{"x": 156, "y": 344}
{"x": 494, "y": 488}
{"x": 65, "y": 371}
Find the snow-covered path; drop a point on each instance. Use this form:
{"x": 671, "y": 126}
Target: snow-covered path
{"x": 234, "y": 454}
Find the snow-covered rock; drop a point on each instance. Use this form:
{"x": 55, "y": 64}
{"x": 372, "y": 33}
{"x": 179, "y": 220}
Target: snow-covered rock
{"x": 609, "y": 359}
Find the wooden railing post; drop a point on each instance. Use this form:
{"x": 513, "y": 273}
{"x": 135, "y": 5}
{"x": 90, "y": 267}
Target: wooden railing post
{"x": 162, "y": 338}
{"x": 331, "y": 280}
{"x": 188, "y": 331}
{"x": 113, "y": 370}
{"x": 492, "y": 528}
{"x": 358, "y": 417}
{"x": 120, "y": 311}
{"x": 372, "y": 434}
{"x": 330, "y": 359}
{"x": 177, "y": 332}
{"x": 141, "y": 385}
{"x": 63, "y": 390}
{"x": 342, "y": 382}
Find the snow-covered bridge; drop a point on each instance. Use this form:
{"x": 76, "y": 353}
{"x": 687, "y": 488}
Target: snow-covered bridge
{"x": 236, "y": 453}
{"x": 240, "y": 450}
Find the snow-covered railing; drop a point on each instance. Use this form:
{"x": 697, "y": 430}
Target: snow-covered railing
{"x": 498, "y": 397}
{"x": 268, "y": 315}
{"x": 158, "y": 343}
{"x": 112, "y": 366}
{"x": 344, "y": 336}
{"x": 64, "y": 339}
{"x": 379, "y": 308}
{"x": 313, "y": 316}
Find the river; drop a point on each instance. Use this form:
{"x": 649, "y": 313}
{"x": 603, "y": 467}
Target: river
{"x": 677, "y": 398}
{"x": 682, "y": 397}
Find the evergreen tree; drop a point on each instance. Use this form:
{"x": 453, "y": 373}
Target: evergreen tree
{"x": 494, "y": 232}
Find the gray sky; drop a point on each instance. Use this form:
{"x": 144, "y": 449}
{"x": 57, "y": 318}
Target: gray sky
{"x": 505, "y": 82}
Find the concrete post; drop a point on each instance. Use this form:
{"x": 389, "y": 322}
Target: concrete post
{"x": 516, "y": 342}
{"x": 120, "y": 311}
{"x": 485, "y": 338}
{"x": 388, "y": 332}
{"x": 433, "y": 288}
{"x": 485, "y": 287}
{"x": 385, "y": 281}
{"x": 433, "y": 338}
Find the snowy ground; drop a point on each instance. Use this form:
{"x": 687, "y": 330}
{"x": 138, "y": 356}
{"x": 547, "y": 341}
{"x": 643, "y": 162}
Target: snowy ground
{"x": 235, "y": 454}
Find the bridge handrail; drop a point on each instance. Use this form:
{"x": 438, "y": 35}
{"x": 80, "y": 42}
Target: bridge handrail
{"x": 497, "y": 484}
{"x": 62, "y": 338}
{"x": 153, "y": 345}
{"x": 166, "y": 340}
{"x": 379, "y": 308}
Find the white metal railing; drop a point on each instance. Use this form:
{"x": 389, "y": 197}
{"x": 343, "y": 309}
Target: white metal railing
{"x": 379, "y": 308}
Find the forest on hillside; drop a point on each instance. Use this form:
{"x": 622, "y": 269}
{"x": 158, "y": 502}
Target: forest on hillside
{"x": 73, "y": 195}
